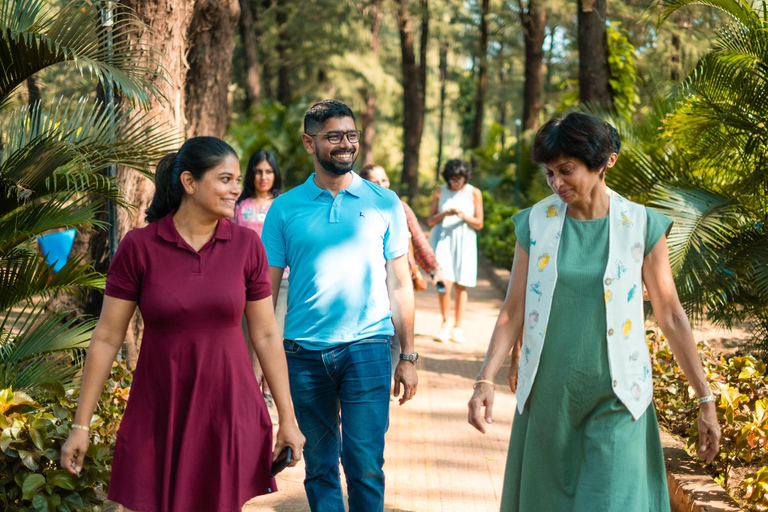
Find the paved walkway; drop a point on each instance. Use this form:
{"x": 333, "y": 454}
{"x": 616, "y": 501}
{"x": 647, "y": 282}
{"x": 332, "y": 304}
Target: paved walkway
{"x": 435, "y": 461}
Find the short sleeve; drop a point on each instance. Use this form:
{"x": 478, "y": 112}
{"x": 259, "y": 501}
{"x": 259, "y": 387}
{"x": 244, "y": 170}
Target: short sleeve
{"x": 273, "y": 236}
{"x": 658, "y": 225}
{"x": 396, "y": 237}
{"x": 125, "y": 271}
{"x": 523, "y": 228}
{"x": 257, "y": 282}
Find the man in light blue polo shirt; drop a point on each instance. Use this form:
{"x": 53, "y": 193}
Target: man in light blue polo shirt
{"x": 345, "y": 240}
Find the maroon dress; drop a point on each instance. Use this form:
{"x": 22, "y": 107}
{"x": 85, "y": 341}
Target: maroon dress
{"x": 196, "y": 435}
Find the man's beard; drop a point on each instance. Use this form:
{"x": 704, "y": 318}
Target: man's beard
{"x": 336, "y": 168}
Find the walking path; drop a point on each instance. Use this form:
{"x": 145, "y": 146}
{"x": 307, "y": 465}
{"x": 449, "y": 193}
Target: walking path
{"x": 434, "y": 460}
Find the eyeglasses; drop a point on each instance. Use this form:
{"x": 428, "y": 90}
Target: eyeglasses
{"x": 353, "y": 136}
{"x": 457, "y": 178}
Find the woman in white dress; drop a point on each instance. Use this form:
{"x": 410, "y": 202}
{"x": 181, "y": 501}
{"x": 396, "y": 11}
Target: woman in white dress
{"x": 455, "y": 215}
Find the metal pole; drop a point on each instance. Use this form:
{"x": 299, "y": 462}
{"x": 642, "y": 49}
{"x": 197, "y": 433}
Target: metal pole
{"x": 517, "y": 164}
{"x": 107, "y": 21}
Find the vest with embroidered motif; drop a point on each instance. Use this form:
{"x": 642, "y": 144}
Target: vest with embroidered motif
{"x": 630, "y": 364}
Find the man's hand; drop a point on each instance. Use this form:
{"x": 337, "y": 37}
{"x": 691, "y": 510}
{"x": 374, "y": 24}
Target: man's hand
{"x": 405, "y": 374}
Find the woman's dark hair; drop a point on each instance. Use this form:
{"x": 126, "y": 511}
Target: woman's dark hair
{"x": 249, "y": 188}
{"x": 576, "y": 135}
{"x": 367, "y": 169}
{"x": 456, "y": 167}
{"x": 198, "y": 155}
{"x": 615, "y": 138}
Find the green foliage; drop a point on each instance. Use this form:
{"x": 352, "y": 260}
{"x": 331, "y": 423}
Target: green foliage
{"x": 621, "y": 60}
{"x": 701, "y": 156}
{"x": 31, "y": 437}
{"x": 740, "y": 384}
{"x": 278, "y": 128}
{"x": 497, "y": 238}
{"x": 51, "y": 176}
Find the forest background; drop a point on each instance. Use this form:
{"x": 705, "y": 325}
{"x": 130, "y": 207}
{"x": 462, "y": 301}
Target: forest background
{"x": 93, "y": 92}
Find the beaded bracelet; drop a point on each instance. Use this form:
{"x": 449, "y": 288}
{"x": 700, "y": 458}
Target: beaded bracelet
{"x": 709, "y": 398}
{"x": 483, "y": 381}
{"x": 80, "y": 427}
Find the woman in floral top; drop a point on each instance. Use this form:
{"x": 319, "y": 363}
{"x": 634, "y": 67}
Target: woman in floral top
{"x": 261, "y": 185}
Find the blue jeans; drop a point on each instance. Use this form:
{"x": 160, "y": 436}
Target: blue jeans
{"x": 351, "y": 379}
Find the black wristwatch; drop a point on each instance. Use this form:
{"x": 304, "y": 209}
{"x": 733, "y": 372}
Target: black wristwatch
{"x": 414, "y": 358}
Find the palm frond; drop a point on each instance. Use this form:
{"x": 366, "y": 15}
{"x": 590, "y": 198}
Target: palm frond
{"x": 40, "y": 346}
{"x": 35, "y": 218}
{"x": 24, "y": 279}
{"x": 76, "y": 35}
{"x": 740, "y": 10}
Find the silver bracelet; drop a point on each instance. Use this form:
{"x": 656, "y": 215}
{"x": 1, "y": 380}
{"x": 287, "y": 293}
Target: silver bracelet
{"x": 709, "y": 398}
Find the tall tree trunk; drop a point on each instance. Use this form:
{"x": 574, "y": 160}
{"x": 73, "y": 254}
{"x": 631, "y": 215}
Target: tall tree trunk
{"x": 33, "y": 89}
{"x": 550, "y": 51}
{"x": 168, "y": 23}
{"x": 374, "y": 14}
{"x": 413, "y": 115}
{"x": 284, "y": 89}
{"x": 534, "y": 23}
{"x": 424, "y": 44}
{"x": 594, "y": 72}
{"x": 211, "y": 42}
{"x": 250, "y": 55}
{"x": 267, "y": 71}
{"x": 441, "y": 125}
{"x": 482, "y": 78}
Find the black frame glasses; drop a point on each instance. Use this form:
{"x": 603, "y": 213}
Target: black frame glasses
{"x": 335, "y": 137}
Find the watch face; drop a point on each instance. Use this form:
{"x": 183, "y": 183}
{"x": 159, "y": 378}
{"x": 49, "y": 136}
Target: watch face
{"x": 410, "y": 357}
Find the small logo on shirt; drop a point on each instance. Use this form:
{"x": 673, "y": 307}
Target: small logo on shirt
{"x": 361, "y": 214}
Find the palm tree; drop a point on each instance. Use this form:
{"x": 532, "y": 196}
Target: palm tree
{"x": 702, "y": 158}
{"x": 52, "y": 160}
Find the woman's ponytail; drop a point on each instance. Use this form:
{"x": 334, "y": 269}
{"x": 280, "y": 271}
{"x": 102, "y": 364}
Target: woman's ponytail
{"x": 167, "y": 196}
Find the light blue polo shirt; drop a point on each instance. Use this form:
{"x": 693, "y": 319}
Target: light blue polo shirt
{"x": 337, "y": 250}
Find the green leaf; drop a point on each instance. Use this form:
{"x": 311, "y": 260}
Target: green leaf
{"x": 62, "y": 478}
{"x": 38, "y": 437}
{"x": 31, "y": 484}
{"x": 28, "y": 459}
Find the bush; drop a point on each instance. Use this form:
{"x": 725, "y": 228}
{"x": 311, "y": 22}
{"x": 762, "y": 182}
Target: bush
{"x": 33, "y": 432}
{"x": 497, "y": 238}
{"x": 741, "y": 387}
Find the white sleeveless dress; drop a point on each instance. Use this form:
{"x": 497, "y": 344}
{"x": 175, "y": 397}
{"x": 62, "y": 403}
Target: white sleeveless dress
{"x": 454, "y": 242}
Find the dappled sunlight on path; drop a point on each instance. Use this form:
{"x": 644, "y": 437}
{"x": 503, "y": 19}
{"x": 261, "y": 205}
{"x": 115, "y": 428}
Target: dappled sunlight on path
{"x": 435, "y": 461}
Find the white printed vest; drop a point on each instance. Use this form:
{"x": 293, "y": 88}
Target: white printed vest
{"x": 628, "y": 357}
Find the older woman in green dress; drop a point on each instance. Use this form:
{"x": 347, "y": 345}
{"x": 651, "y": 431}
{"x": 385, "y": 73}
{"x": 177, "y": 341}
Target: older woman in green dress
{"x": 585, "y": 436}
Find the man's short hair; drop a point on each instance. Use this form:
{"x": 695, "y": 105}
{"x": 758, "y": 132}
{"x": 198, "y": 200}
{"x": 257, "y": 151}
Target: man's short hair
{"x": 322, "y": 111}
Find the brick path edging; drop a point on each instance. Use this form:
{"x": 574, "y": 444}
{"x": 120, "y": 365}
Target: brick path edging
{"x": 691, "y": 489}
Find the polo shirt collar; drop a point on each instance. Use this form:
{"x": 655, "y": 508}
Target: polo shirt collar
{"x": 167, "y": 231}
{"x": 355, "y": 187}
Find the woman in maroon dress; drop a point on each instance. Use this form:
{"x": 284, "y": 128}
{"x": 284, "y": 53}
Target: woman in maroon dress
{"x": 196, "y": 434}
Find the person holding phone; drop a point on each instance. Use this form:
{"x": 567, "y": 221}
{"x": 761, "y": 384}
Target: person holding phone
{"x": 196, "y": 434}
{"x": 456, "y": 214}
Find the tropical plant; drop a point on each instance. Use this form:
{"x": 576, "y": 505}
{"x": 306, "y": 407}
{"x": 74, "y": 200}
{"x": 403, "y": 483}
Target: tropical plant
{"x": 276, "y": 127}
{"x": 701, "y": 157}
{"x": 51, "y": 171}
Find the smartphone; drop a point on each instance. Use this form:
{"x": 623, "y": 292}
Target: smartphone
{"x": 282, "y": 461}
{"x": 440, "y": 287}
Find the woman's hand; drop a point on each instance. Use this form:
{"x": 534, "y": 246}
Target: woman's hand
{"x": 74, "y": 450}
{"x": 288, "y": 434}
{"x": 481, "y": 398}
{"x": 709, "y": 432}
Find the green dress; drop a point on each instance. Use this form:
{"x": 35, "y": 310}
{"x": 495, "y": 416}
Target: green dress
{"x": 575, "y": 447}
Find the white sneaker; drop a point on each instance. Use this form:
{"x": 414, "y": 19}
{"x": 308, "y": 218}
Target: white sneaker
{"x": 457, "y": 335}
{"x": 445, "y": 333}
